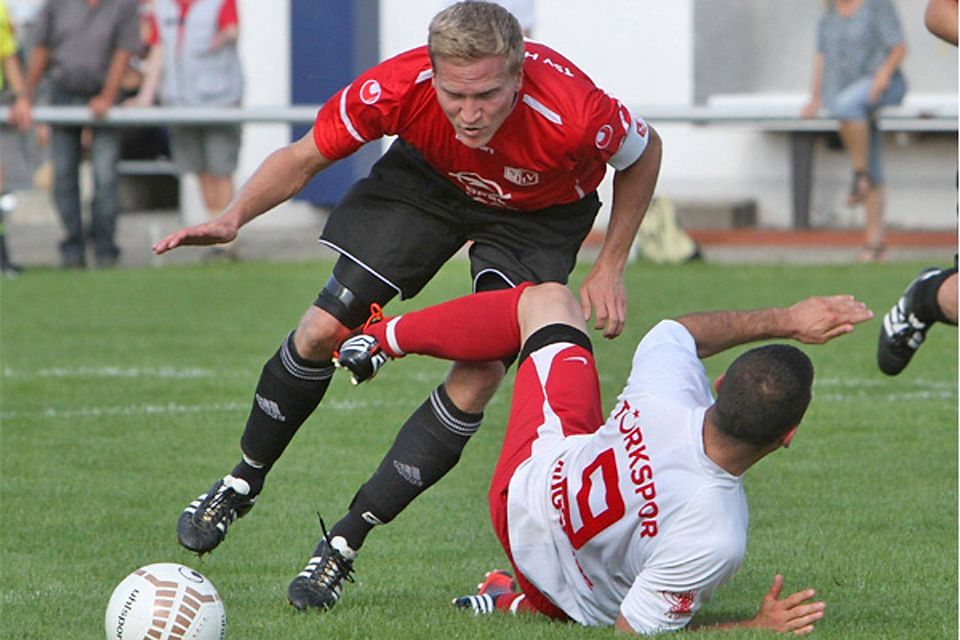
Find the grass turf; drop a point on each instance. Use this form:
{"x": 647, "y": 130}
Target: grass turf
{"x": 124, "y": 394}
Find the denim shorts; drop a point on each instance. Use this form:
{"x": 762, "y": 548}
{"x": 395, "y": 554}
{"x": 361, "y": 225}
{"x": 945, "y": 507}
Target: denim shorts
{"x": 853, "y": 104}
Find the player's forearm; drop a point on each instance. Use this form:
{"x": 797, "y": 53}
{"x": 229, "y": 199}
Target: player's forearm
{"x": 153, "y": 67}
{"x": 14, "y": 76}
{"x": 895, "y": 57}
{"x": 941, "y": 19}
{"x": 716, "y": 331}
{"x": 816, "y": 83}
{"x": 118, "y": 64}
{"x": 35, "y": 68}
{"x": 633, "y": 190}
{"x": 283, "y": 174}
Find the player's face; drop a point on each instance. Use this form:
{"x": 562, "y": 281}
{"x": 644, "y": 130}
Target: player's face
{"x": 476, "y": 95}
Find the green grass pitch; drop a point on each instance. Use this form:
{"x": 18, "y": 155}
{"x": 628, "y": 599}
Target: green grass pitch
{"x": 125, "y": 392}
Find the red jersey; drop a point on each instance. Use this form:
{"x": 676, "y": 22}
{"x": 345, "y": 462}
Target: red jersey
{"x": 552, "y": 149}
{"x": 227, "y": 17}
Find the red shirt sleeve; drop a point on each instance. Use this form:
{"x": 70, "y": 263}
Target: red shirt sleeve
{"x": 228, "y": 15}
{"x": 369, "y": 107}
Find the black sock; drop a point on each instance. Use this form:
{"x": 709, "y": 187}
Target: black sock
{"x": 925, "y": 305}
{"x": 427, "y": 447}
{"x": 290, "y": 388}
{"x": 253, "y": 472}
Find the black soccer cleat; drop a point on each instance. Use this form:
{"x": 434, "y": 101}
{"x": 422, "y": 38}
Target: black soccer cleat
{"x": 362, "y": 355}
{"x": 902, "y": 333}
{"x": 319, "y": 585}
{"x": 203, "y": 524}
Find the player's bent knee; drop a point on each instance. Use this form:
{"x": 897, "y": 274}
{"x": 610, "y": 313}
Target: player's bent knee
{"x": 471, "y": 385}
{"x": 548, "y": 303}
{"x": 342, "y": 303}
{"x": 318, "y": 334}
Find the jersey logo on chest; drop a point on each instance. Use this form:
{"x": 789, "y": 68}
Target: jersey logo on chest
{"x": 521, "y": 177}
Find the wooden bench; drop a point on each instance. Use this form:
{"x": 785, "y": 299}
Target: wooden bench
{"x": 780, "y": 113}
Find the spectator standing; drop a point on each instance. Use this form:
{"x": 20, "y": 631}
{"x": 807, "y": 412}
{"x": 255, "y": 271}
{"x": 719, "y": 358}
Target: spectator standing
{"x": 195, "y": 43}
{"x": 11, "y": 77}
{"x": 84, "y": 47}
{"x": 856, "y": 70}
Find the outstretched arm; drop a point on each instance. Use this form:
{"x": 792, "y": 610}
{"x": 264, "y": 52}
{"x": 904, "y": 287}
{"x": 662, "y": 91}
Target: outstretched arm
{"x": 283, "y": 174}
{"x": 603, "y": 291}
{"x": 812, "y": 321}
{"x": 794, "y": 614}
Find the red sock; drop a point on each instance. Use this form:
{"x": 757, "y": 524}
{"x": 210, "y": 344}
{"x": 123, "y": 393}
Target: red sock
{"x": 514, "y": 603}
{"x": 475, "y": 328}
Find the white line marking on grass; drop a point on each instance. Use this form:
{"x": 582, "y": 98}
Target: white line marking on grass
{"x": 173, "y": 408}
{"x": 110, "y": 372}
{"x": 129, "y": 410}
{"x": 899, "y": 383}
{"x": 888, "y": 397}
{"x": 884, "y": 390}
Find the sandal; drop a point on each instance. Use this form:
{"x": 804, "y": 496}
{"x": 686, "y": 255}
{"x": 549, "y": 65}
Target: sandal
{"x": 858, "y": 190}
{"x": 872, "y": 253}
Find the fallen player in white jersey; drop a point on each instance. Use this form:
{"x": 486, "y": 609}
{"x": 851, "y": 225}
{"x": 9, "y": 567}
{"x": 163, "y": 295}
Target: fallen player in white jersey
{"x": 637, "y": 520}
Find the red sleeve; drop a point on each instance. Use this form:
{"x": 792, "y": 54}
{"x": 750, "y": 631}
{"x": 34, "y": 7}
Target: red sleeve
{"x": 153, "y": 33}
{"x": 228, "y": 15}
{"x": 612, "y": 131}
{"x": 369, "y": 107}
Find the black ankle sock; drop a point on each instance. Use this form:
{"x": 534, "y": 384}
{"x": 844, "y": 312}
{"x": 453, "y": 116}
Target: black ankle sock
{"x": 290, "y": 388}
{"x": 253, "y": 475}
{"x": 925, "y": 305}
{"x": 353, "y": 528}
{"x": 427, "y": 447}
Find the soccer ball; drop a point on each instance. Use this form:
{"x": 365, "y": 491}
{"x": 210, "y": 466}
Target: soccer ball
{"x": 165, "y": 601}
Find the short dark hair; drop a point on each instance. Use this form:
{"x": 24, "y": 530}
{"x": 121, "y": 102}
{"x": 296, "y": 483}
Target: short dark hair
{"x": 764, "y": 393}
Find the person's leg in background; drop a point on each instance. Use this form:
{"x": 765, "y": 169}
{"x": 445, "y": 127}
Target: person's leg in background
{"x": 864, "y": 144}
{"x": 220, "y": 149}
{"x": 65, "y": 153}
{"x": 104, "y": 155}
{"x": 7, "y": 204}
{"x": 874, "y": 203}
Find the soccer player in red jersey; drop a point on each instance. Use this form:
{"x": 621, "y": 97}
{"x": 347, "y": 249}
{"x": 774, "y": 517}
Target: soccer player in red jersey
{"x": 501, "y": 143}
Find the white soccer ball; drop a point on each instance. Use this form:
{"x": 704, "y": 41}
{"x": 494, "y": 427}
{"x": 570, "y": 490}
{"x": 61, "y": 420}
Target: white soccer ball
{"x": 165, "y": 601}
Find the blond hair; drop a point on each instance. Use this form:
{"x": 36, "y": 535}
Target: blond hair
{"x": 473, "y": 30}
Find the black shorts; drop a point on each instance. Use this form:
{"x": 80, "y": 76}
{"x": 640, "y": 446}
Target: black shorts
{"x": 404, "y": 221}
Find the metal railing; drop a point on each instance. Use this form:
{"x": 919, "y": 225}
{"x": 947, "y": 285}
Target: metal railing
{"x": 769, "y": 118}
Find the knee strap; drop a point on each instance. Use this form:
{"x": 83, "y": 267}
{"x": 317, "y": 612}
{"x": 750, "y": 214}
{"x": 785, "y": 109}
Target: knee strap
{"x": 342, "y": 303}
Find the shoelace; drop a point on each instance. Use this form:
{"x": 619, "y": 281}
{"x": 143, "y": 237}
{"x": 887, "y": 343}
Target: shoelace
{"x": 334, "y": 568}
{"x": 376, "y": 315}
{"x": 217, "y": 504}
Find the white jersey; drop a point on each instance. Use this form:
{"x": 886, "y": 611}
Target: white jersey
{"x": 633, "y": 518}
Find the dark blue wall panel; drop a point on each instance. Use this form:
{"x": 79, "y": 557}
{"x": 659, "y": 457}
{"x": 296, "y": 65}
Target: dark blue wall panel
{"x": 332, "y": 42}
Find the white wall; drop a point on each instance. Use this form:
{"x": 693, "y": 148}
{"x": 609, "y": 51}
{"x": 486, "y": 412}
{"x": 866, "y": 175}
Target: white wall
{"x": 642, "y": 51}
